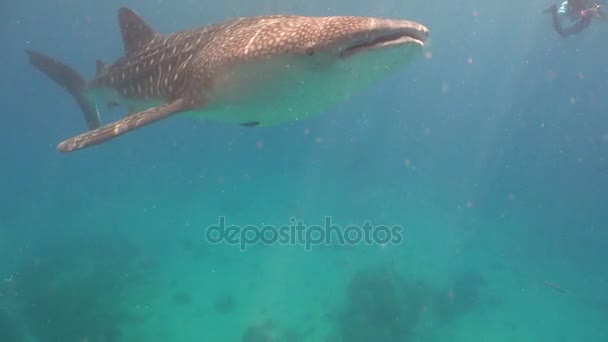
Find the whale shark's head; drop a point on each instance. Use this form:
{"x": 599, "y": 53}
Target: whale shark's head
{"x": 332, "y": 37}
{"x": 282, "y": 68}
{"x": 346, "y": 37}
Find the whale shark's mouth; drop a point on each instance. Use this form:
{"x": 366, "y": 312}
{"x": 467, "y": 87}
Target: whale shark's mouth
{"x": 415, "y": 36}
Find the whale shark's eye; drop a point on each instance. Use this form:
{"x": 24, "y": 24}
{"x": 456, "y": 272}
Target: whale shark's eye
{"x": 310, "y": 51}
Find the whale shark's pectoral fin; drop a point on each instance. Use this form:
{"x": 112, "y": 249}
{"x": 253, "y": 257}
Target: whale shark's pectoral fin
{"x": 127, "y": 124}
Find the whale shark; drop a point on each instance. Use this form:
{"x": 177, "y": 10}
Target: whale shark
{"x": 251, "y": 71}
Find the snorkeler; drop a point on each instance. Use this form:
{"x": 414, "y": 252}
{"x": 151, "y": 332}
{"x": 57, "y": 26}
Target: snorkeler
{"x": 572, "y": 16}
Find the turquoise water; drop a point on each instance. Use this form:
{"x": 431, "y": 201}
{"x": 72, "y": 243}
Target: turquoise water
{"x": 489, "y": 151}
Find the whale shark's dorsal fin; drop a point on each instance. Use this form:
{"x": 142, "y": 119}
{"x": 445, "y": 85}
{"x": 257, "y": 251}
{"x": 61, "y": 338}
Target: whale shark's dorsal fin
{"x": 136, "y": 33}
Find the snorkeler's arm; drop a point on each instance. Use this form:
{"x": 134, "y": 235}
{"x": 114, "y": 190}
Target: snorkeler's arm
{"x": 601, "y": 13}
{"x": 599, "y": 10}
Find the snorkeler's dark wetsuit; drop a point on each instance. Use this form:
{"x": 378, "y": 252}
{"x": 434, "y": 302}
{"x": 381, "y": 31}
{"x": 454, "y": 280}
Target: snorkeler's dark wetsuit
{"x": 576, "y": 22}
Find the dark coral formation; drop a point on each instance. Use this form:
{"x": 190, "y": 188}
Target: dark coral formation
{"x": 225, "y": 304}
{"x": 182, "y": 298}
{"x": 260, "y": 333}
{"x": 460, "y": 298}
{"x": 78, "y": 291}
{"x": 384, "y": 307}
{"x": 268, "y": 332}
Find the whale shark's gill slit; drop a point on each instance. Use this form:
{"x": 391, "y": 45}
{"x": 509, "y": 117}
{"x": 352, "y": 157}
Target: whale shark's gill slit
{"x": 251, "y": 41}
{"x": 263, "y": 25}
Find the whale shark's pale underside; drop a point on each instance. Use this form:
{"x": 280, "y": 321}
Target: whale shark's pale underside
{"x": 253, "y": 71}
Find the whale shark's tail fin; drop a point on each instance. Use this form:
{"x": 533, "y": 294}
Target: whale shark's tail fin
{"x": 70, "y": 80}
